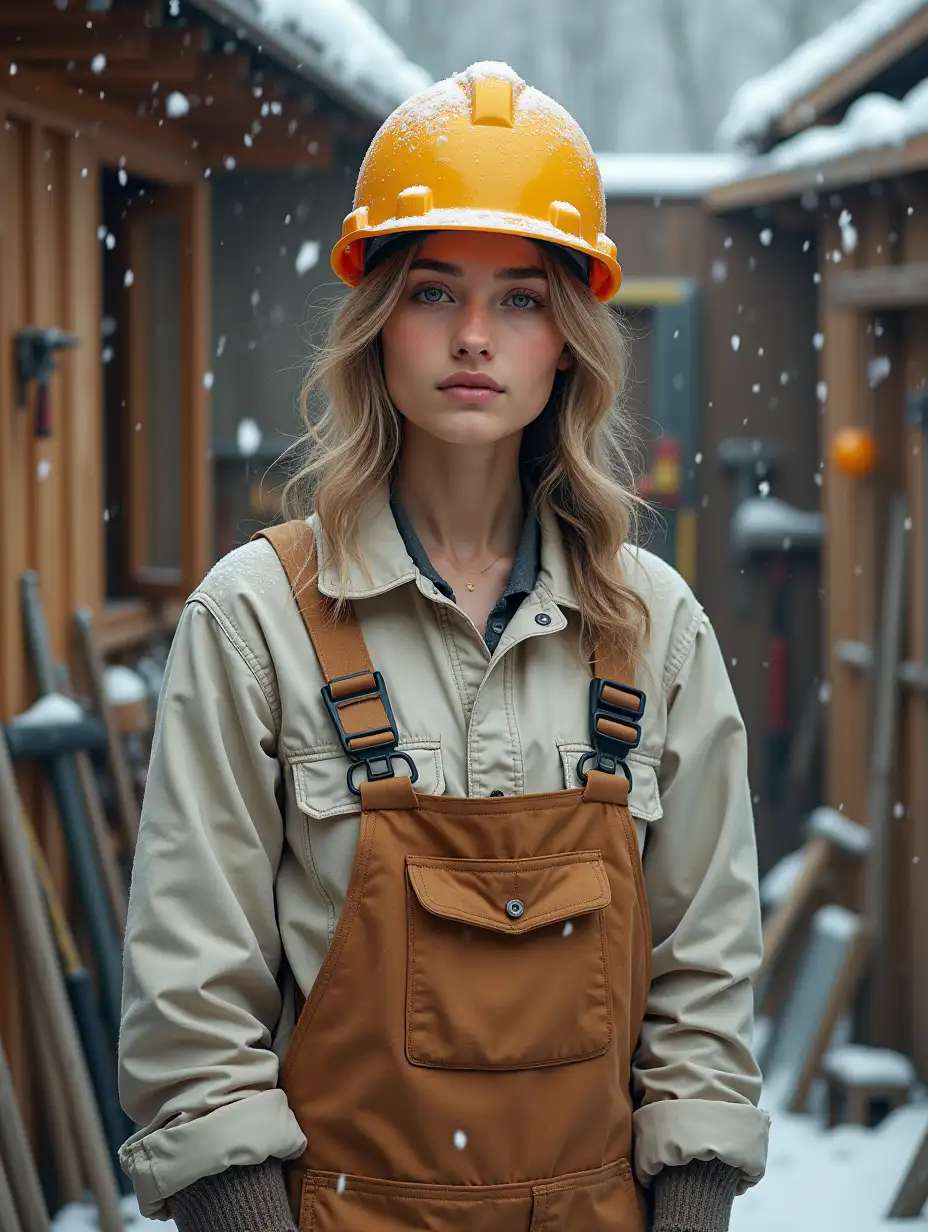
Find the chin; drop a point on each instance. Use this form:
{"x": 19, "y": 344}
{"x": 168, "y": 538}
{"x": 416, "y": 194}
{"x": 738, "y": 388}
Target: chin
{"x": 466, "y": 426}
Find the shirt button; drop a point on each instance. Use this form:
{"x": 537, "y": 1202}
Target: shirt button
{"x": 515, "y": 909}
{"x": 542, "y": 619}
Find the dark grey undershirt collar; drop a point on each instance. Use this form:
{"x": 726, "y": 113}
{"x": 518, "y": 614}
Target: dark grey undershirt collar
{"x": 522, "y": 578}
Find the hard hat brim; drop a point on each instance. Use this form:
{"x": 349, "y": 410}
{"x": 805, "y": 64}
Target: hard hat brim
{"x": 348, "y": 253}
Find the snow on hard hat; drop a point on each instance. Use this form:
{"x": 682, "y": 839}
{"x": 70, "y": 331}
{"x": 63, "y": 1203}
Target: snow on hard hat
{"x": 482, "y": 151}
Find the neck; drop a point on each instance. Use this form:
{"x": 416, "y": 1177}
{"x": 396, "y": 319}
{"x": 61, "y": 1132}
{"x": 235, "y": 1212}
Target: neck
{"x": 465, "y": 503}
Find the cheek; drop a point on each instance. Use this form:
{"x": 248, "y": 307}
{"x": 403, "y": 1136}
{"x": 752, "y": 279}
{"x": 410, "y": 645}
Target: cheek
{"x": 404, "y": 344}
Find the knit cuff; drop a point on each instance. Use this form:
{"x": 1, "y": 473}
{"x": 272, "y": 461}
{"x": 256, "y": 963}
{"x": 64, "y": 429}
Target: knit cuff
{"x": 241, "y": 1199}
{"x": 695, "y": 1198}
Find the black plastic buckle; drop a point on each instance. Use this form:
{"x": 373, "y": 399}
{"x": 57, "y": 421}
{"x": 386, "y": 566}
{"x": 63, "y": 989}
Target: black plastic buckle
{"x": 608, "y": 751}
{"x": 377, "y": 758}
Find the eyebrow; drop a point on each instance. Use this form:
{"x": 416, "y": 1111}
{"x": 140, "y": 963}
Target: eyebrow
{"x": 513, "y": 273}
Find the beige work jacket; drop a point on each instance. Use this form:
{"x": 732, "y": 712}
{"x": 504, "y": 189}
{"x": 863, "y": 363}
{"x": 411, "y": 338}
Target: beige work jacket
{"x": 249, "y": 832}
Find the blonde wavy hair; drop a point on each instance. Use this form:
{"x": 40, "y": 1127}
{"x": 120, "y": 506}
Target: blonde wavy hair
{"x": 579, "y": 452}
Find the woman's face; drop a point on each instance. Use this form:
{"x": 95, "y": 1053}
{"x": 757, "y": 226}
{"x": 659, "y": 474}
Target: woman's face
{"x": 471, "y": 350}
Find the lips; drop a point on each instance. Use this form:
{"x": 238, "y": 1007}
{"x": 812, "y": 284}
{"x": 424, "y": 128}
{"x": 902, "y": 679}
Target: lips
{"x": 471, "y": 380}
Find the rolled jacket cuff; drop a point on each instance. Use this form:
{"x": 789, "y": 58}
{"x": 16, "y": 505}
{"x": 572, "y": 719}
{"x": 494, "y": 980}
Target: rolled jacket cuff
{"x": 671, "y": 1132}
{"x": 162, "y": 1162}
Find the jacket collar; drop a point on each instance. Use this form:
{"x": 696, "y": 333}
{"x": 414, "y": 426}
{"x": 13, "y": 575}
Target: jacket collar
{"x": 389, "y": 564}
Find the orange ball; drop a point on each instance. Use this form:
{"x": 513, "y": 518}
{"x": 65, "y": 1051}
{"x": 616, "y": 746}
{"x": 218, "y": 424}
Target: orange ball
{"x": 854, "y": 452}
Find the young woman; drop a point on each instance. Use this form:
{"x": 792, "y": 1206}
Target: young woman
{"x": 445, "y": 912}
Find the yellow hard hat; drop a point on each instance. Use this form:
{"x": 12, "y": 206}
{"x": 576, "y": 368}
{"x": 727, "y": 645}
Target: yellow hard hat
{"x": 482, "y": 151}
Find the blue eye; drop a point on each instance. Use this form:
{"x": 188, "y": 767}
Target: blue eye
{"x": 429, "y": 294}
{"x": 528, "y": 298}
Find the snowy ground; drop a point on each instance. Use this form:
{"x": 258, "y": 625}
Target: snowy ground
{"x": 84, "y": 1219}
{"x": 839, "y": 1180}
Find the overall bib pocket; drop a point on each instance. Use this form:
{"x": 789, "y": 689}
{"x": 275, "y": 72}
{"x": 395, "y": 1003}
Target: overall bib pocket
{"x": 507, "y": 961}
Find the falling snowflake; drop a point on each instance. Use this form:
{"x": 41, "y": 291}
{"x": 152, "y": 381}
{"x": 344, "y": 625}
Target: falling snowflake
{"x": 735, "y": 342}
{"x": 229, "y": 163}
{"x": 460, "y": 1139}
{"x": 755, "y": 388}
{"x": 341, "y": 1183}
{"x": 128, "y": 278}
{"x": 728, "y": 241}
{"x": 784, "y": 378}
{"x": 848, "y": 233}
{"x": 764, "y": 487}
{"x": 908, "y": 524}
{"x": 568, "y": 928}
{"x": 122, "y": 177}
{"x": 14, "y": 69}
{"x": 176, "y": 104}
{"x": 698, "y": 459}
{"x": 44, "y": 469}
{"x": 818, "y": 341}
{"x": 110, "y": 242}
{"x": 307, "y": 257}
{"x": 878, "y": 369}
{"x": 719, "y": 270}
{"x": 98, "y": 63}
{"x": 248, "y": 438}
{"x": 898, "y": 809}
{"x": 821, "y": 391}
{"x": 208, "y": 380}
{"x": 766, "y": 237}
{"x": 255, "y": 298}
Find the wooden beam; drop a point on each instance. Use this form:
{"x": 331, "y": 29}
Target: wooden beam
{"x": 268, "y": 153}
{"x": 28, "y": 12}
{"x": 45, "y": 43}
{"x": 886, "y": 162}
{"x": 856, "y": 76}
{"x": 893, "y": 287}
{"x": 176, "y": 58}
{"x": 142, "y": 145}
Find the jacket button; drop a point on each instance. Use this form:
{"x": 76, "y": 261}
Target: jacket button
{"x": 515, "y": 909}
{"x": 497, "y": 626}
{"x": 542, "y": 619}
{"x": 497, "y": 792}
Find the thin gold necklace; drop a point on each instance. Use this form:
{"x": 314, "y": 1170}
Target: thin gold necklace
{"x": 472, "y": 586}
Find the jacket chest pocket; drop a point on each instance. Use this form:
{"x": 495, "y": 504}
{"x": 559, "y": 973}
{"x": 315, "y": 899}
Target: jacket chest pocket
{"x": 507, "y": 965}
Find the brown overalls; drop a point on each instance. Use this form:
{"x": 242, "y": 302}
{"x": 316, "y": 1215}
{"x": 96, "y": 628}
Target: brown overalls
{"x": 462, "y": 1061}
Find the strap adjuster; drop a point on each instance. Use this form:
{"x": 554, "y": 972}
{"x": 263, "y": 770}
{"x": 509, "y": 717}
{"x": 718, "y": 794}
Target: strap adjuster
{"x": 616, "y": 711}
{"x": 373, "y": 747}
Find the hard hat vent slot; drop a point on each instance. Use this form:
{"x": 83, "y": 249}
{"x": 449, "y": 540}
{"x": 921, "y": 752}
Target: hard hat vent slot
{"x": 493, "y": 102}
{"x": 565, "y": 217}
{"x": 412, "y": 202}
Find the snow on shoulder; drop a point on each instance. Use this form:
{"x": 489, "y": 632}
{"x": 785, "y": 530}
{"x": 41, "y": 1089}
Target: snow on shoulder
{"x": 357, "y": 51}
{"x": 760, "y": 101}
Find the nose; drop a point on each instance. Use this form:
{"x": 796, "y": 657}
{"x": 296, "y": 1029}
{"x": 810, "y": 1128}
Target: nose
{"x": 473, "y": 335}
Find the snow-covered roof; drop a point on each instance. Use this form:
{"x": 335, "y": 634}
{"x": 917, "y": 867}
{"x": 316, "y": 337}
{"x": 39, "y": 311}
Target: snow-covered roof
{"x": 760, "y": 101}
{"x": 337, "y": 43}
{"x": 872, "y": 122}
{"x": 668, "y": 175}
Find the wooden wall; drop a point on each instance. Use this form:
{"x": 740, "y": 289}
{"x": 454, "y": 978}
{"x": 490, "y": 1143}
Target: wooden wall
{"x": 50, "y": 505}
{"x": 755, "y": 279}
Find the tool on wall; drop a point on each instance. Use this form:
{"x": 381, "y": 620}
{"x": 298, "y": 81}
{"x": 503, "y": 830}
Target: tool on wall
{"x": 35, "y": 348}
{"x": 54, "y": 743}
{"x": 766, "y": 529}
{"x": 25, "y": 1189}
{"x": 36, "y": 948}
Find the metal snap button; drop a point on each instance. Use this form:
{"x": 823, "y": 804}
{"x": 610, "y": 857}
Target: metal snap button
{"x": 542, "y": 619}
{"x": 498, "y": 626}
{"x": 497, "y": 792}
{"x": 515, "y": 909}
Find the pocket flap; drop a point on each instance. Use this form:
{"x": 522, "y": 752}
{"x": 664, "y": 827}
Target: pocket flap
{"x": 511, "y": 896}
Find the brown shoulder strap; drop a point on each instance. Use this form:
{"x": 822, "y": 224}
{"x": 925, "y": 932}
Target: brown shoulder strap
{"x": 337, "y": 640}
